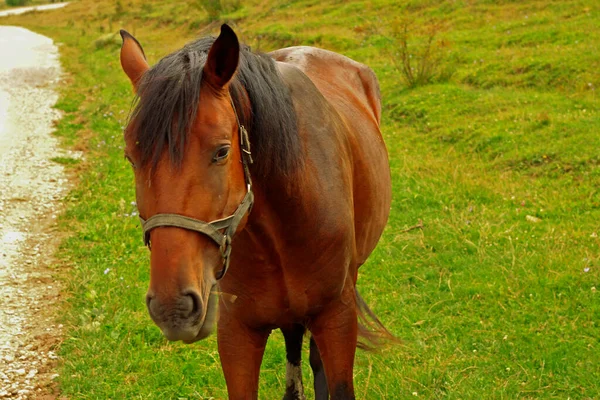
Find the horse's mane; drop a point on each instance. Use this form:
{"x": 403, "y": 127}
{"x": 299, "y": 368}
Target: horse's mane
{"x": 169, "y": 97}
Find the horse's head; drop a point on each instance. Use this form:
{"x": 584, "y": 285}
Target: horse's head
{"x": 183, "y": 141}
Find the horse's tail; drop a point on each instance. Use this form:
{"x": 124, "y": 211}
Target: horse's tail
{"x": 371, "y": 332}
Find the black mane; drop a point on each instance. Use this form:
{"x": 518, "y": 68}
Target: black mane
{"x": 169, "y": 96}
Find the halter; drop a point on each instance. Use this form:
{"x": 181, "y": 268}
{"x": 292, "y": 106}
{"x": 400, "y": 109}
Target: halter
{"x": 221, "y": 231}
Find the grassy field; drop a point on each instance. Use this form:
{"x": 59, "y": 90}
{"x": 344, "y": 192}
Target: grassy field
{"x": 3, "y": 4}
{"x": 499, "y": 157}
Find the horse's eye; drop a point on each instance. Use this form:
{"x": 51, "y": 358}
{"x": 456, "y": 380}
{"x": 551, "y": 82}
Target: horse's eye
{"x": 221, "y": 154}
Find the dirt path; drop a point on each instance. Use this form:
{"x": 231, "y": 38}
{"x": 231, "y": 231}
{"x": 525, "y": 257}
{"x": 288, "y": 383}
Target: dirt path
{"x": 31, "y": 186}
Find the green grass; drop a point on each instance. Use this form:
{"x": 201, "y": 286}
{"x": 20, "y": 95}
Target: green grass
{"x": 487, "y": 303}
{"x": 65, "y": 160}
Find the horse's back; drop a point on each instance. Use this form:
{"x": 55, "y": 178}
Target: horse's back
{"x": 353, "y": 91}
{"x": 340, "y": 79}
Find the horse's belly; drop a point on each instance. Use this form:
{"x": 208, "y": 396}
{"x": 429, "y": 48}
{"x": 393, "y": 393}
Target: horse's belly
{"x": 372, "y": 196}
{"x": 352, "y": 89}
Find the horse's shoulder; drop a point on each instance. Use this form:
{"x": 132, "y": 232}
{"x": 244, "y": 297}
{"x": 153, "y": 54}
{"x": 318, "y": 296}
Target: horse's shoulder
{"x": 334, "y": 69}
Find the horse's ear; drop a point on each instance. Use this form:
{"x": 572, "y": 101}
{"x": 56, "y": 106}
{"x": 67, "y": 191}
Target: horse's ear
{"x": 133, "y": 59}
{"x": 223, "y": 58}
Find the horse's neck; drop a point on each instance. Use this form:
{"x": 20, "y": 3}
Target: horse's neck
{"x": 281, "y": 208}
{"x": 279, "y": 205}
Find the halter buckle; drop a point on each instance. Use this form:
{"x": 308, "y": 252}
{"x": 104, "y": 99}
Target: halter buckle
{"x": 245, "y": 144}
{"x": 225, "y": 247}
{"x": 225, "y": 250}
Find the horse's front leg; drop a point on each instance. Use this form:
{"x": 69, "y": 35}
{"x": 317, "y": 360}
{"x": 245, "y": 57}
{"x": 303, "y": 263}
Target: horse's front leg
{"x": 241, "y": 351}
{"x": 335, "y": 332}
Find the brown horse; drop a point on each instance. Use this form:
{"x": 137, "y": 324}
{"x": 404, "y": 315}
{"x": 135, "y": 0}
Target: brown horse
{"x": 283, "y": 153}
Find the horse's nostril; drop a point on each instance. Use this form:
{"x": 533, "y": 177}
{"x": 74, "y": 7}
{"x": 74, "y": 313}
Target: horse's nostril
{"x": 185, "y": 307}
{"x": 149, "y": 298}
{"x": 192, "y": 300}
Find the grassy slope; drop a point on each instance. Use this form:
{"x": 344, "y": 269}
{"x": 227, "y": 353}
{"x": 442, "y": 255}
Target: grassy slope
{"x": 4, "y": 6}
{"x": 488, "y": 304}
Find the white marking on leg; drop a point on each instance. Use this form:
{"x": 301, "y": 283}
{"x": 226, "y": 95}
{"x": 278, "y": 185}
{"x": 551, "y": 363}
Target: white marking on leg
{"x": 293, "y": 379}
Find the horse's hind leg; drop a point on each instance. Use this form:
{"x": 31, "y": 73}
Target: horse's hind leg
{"x": 335, "y": 331}
{"x": 321, "y": 390}
{"x": 294, "y": 390}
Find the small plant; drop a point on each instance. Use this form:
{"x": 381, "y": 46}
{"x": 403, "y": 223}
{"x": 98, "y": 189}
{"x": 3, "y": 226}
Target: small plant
{"x": 119, "y": 9}
{"x": 147, "y": 8}
{"x": 13, "y": 3}
{"x": 230, "y": 5}
{"x": 214, "y": 8}
{"x": 108, "y": 40}
{"x": 419, "y": 54}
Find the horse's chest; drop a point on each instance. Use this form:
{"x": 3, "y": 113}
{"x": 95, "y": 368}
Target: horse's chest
{"x": 284, "y": 298}
{"x": 291, "y": 280}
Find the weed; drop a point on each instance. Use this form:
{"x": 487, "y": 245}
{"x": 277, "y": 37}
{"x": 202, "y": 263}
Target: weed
{"x": 214, "y": 8}
{"x": 147, "y": 8}
{"x": 420, "y": 55}
{"x": 119, "y": 9}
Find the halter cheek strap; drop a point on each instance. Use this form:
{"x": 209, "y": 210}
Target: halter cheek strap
{"x": 221, "y": 231}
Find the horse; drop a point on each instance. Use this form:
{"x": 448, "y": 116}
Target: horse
{"x": 283, "y": 154}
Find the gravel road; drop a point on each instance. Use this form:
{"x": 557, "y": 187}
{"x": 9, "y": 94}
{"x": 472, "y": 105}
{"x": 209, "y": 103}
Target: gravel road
{"x": 31, "y": 187}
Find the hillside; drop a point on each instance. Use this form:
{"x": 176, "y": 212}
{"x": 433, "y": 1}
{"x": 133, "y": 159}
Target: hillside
{"x": 498, "y": 156}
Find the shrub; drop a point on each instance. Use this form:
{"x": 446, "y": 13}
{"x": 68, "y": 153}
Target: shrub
{"x": 147, "y": 9}
{"x": 214, "y": 8}
{"x": 119, "y": 9}
{"x": 420, "y": 55}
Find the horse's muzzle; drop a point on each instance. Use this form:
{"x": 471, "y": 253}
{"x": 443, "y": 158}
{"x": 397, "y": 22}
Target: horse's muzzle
{"x": 179, "y": 318}
{"x": 188, "y": 317}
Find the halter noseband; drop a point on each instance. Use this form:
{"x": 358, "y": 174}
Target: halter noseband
{"x": 214, "y": 229}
